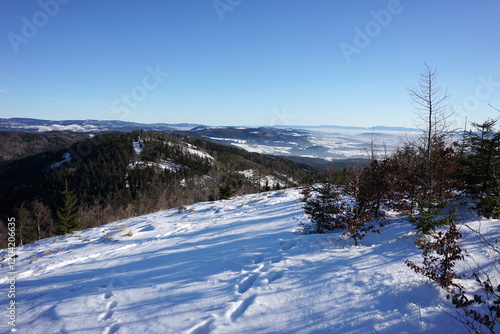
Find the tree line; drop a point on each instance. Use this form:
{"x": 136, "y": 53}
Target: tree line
{"x": 425, "y": 180}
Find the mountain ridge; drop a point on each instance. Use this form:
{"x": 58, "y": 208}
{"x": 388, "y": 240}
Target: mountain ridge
{"x": 35, "y": 124}
{"x": 325, "y": 142}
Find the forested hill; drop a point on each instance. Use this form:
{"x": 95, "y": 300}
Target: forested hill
{"x": 17, "y": 145}
{"x": 115, "y": 176}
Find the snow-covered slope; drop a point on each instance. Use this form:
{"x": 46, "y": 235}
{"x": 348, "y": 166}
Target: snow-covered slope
{"x": 235, "y": 266}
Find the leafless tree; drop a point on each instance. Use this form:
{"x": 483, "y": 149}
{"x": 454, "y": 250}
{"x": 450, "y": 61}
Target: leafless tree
{"x": 433, "y": 113}
{"x": 43, "y": 219}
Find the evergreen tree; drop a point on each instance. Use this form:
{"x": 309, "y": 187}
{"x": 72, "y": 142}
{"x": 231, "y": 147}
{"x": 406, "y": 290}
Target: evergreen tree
{"x": 482, "y": 167}
{"x": 226, "y": 191}
{"x": 361, "y": 188}
{"x": 68, "y": 215}
{"x": 324, "y": 205}
{"x": 404, "y": 171}
{"x": 429, "y": 215}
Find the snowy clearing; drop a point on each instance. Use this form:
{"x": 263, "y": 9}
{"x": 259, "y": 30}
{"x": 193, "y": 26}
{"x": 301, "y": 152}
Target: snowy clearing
{"x": 263, "y": 180}
{"x": 137, "y": 147}
{"x": 235, "y": 266}
{"x": 66, "y": 158}
{"x": 193, "y": 150}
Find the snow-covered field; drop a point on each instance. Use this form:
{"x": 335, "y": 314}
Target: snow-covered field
{"x": 235, "y": 266}
{"x": 329, "y": 144}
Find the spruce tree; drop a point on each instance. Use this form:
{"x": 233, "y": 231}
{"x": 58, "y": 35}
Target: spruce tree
{"x": 324, "y": 205}
{"x": 69, "y": 220}
{"x": 482, "y": 167}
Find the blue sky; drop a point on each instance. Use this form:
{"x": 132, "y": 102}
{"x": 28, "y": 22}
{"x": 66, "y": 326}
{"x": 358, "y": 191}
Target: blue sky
{"x": 242, "y": 62}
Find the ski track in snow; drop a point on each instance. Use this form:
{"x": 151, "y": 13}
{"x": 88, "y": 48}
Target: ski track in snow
{"x": 235, "y": 266}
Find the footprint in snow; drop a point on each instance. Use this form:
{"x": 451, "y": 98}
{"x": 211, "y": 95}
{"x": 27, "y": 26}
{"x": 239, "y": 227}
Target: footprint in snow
{"x": 288, "y": 245}
{"x": 258, "y": 259}
{"x": 276, "y": 259}
{"x": 241, "y": 307}
{"x": 147, "y": 228}
{"x": 202, "y": 328}
{"x": 108, "y": 315}
{"x": 264, "y": 267}
{"x": 110, "y": 308}
{"x": 274, "y": 276}
{"x": 113, "y": 329}
{"x": 247, "y": 283}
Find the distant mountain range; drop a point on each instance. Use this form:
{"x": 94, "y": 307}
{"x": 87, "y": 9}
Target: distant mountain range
{"x": 343, "y": 128}
{"x": 90, "y": 125}
{"x": 40, "y": 125}
{"x": 326, "y": 142}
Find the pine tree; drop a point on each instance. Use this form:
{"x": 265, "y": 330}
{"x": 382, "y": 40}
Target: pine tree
{"x": 404, "y": 172}
{"x": 324, "y": 206}
{"x": 69, "y": 220}
{"x": 482, "y": 167}
{"x": 365, "y": 202}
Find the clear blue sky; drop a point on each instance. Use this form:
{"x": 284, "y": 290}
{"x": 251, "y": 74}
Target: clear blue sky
{"x": 249, "y": 62}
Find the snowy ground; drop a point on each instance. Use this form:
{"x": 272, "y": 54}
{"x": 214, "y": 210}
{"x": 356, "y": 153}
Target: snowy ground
{"x": 235, "y": 266}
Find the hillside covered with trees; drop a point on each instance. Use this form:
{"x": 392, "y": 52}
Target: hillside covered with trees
{"x": 114, "y": 176}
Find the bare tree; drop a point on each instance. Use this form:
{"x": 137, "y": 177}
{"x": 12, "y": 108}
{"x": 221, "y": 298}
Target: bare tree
{"x": 43, "y": 219}
{"x": 493, "y": 107}
{"x": 433, "y": 114}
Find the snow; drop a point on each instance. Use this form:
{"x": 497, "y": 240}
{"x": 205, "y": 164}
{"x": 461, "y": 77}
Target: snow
{"x": 242, "y": 141}
{"x": 169, "y": 165}
{"x": 137, "y": 147}
{"x": 164, "y": 164}
{"x": 263, "y": 180}
{"x": 264, "y": 149}
{"x": 195, "y": 151}
{"x": 58, "y": 127}
{"x": 342, "y": 144}
{"x": 235, "y": 266}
